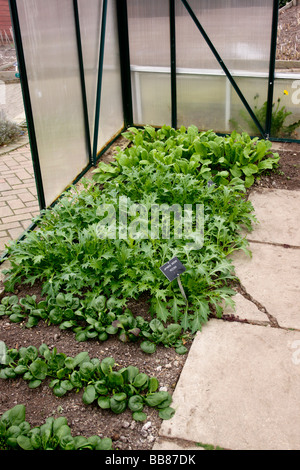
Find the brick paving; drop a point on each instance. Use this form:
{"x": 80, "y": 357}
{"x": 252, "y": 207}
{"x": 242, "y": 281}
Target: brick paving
{"x": 18, "y": 195}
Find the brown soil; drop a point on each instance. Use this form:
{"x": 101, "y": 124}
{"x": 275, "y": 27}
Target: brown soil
{"x": 287, "y": 175}
{"x": 288, "y": 38}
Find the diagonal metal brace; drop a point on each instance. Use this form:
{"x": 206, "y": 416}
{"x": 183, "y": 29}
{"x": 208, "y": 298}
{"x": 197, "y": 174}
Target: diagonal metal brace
{"x": 222, "y": 64}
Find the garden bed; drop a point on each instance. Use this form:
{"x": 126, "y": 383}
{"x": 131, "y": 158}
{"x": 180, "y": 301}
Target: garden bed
{"x": 165, "y": 363}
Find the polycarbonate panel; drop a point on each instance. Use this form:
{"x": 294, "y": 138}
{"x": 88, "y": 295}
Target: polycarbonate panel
{"x": 149, "y": 39}
{"x": 241, "y": 34}
{"x": 240, "y": 30}
{"x": 50, "y": 49}
{"x": 111, "y": 109}
{"x": 90, "y": 12}
{"x": 202, "y": 101}
{"x": 255, "y": 92}
{"x": 287, "y": 100}
{"x": 151, "y": 98}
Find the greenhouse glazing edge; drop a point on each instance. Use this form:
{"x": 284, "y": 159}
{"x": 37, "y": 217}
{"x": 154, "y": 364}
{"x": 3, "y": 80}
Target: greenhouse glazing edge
{"x": 126, "y": 85}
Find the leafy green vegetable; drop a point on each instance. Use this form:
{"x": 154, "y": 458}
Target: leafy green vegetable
{"x": 112, "y": 389}
{"x": 54, "y": 434}
{"x": 88, "y": 280}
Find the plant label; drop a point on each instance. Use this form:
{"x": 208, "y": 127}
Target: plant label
{"x": 172, "y": 269}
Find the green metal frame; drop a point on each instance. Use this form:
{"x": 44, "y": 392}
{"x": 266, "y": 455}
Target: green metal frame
{"x": 27, "y": 103}
{"x": 99, "y": 84}
{"x": 82, "y": 80}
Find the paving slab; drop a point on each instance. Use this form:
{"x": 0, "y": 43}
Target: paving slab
{"x": 272, "y": 278}
{"x": 278, "y": 214}
{"x": 245, "y": 309}
{"x": 239, "y": 389}
{"x": 166, "y": 444}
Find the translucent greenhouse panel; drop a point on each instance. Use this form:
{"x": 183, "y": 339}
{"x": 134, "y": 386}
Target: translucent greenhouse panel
{"x": 241, "y": 34}
{"x": 111, "y": 109}
{"x": 254, "y": 90}
{"x": 286, "y": 106}
{"x": 90, "y": 12}
{"x": 50, "y": 49}
{"x": 201, "y": 101}
{"x": 149, "y": 39}
{"x": 239, "y": 29}
{"x": 151, "y": 97}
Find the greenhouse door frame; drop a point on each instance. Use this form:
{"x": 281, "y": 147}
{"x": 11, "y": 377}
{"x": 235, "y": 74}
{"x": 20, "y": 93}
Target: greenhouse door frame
{"x": 91, "y": 146}
{"x": 123, "y": 43}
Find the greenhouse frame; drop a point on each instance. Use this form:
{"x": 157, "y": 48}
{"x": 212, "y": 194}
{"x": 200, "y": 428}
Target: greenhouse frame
{"x": 91, "y": 68}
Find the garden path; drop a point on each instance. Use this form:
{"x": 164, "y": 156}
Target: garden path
{"x": 18, "y": 196}
{"x": 240, "y": 386}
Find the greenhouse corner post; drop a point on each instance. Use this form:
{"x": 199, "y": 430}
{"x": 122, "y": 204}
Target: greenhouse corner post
{"x": 27, "y": 103}
{"x": 99, "y": 84}
{"x": 173, "y": 63}
{"x": 122, "y": 17}
{"x": 82, "y": 79}
{"x": 272, "y": 68}
{"x": 223, "y": 66}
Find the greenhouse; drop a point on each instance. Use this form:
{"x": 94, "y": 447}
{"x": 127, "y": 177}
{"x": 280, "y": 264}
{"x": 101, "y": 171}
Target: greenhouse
{"x": 90, "y": 69}
{"x": 149, "y": 238}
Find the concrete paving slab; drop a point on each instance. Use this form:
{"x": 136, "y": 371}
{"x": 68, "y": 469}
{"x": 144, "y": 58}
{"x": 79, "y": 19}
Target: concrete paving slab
{"x": 246, "y": 310}
{"x": 278, "y": 213}
{"x": 239, "y": 389}
{"x": 272, "y": 277}
{"x": 165, "y": 444}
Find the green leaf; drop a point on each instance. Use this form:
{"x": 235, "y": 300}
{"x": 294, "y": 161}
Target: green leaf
{"x": 160, "y": 309}
{"x": 148, "y": 347}
{"x": 115, "y": 379}
{"x": 120, "y": 396}
{"x": 100, "y": 387}
{"x": 139, "y": 416}
{"x": 104, "y": 444}
{"x": 166, "y": 413}
{"x": 67, "y": 443}
{"x": 39, "y": 369}
{"x": 250, "y": 169}
{"x": 15, "y": 416}
{"x": 249, "y": 181}
{"x": 89, "y": 395}
{"x": 136, "y": 403}
{"x": 20, "y": 370}
{"x": 104, "y": 402}
{"x": 141, "y": 380}
{"x": 153, "y": 384}
{"x": 181, "y": 350}
{"x": 34, "y": 383}
{"x": 132, "y": 372}
{"x": 107, "y": 364}
{"x": 117, "y": 406}
{"x": 25, "y": 443}
{"x": 155, "y": 399}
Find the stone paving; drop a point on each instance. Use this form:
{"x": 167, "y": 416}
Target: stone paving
{"x": 18, "y": 195}
{"x": 240, "y": 386}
